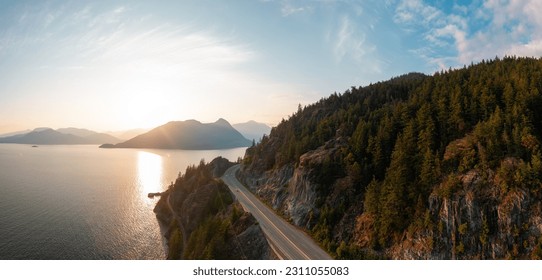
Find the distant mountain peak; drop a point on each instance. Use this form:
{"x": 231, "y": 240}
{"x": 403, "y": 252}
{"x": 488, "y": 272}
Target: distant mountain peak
{"x": 191, "y": 121}
{"x": 40, "y": 129}
{"x": 223, "y": 122}
{"x": 188, "y": 135}
{"x": 81, "y": 132}
{"x": 252, "y": 130}
{"x": 49, "y": 136}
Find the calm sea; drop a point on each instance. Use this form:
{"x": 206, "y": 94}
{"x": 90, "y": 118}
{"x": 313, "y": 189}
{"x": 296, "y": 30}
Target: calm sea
{"x": 82, "y": 202}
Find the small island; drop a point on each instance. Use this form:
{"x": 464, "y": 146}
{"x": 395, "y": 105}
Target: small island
{"x": 107, "y": 146}
{"x": 152, "y": 195}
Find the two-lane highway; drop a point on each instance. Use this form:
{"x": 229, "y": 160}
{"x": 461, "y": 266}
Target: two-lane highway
{"x": 288, "y": 241}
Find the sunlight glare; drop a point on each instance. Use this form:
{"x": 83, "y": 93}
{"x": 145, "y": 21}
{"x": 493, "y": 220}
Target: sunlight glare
{"x": 142, "y": 103}
{"x": 149, "y": 173}
{"x": 142, "y": 111}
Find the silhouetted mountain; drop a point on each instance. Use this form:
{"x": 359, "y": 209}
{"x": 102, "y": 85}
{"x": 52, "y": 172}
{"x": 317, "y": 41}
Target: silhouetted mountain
{"x": 81, "y": 132}
{"x": 39, "y": 129}
{"x": 15, "y": 133}
{"x": 98, "y": 138}
{"x": 48, "y": 136}
{"x": 188, "y": 135}
{"x": 253, "y": 130}
{"x": 127, "y": 134}
{"x": 222, "y": 122}
{"x": 45, "y": 136}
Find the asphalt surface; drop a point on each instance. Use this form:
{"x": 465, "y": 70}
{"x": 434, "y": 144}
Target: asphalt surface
{"x": 287, "y": 241}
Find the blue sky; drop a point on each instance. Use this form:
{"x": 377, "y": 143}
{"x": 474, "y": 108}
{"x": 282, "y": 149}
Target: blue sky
{"x": 112, "y": 65}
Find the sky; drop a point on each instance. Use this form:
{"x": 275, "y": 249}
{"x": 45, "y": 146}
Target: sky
{"x": 114, "y": 65}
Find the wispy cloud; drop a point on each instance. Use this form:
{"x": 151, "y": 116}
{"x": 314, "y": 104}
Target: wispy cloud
{"x": 415, "y": 12}
{"x": 103, "y": 58}
{"x": 476, "y": 32}
{"x": 432, "y": 25}
{"x": 113, "y": 39}
{"x": 288, "y": 8}
{"x": 350, "y": 43}
{"x": 515, "y": 28}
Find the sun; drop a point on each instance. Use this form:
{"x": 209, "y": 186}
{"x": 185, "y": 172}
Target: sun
{"x": 148, "y": 102}
{"x": 142, "y": 110}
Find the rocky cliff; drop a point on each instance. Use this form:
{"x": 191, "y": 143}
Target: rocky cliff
{"x": 474, "y": 216}
{"x": 293, "y": 189}
{"x": 418, "y": 167}
{"x": 470, "y": 215}
{"x": 307, "y": 197}
{"x": 201, "y": 220}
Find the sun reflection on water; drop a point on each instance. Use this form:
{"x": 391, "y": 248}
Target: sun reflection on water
{"x": 149, "y": 173}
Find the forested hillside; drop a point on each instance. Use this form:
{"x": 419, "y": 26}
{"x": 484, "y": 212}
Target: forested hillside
{"x": 442, "y": 166}
{"x": 202, "y": 220}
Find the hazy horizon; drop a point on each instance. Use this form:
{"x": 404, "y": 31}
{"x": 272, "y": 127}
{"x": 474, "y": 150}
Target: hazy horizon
{"x": 121, "y": 130}
{"x": 118, "y": 65}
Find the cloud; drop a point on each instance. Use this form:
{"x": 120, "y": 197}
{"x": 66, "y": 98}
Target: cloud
{"x": 114, "y": 38}
{"x": 350, "y": 42}
{"x": 167, "y": 46}
{"x": 415, "y": 11}
{"x": 456, "y": 33}
{"x": 516, "y": 27}
{"x": 288, "y": 9}
{"x": 428, "y": 23}
{"x": 492, "y": 28}
{"x": 107, "y": 58}
{"x": 512, "y": 28}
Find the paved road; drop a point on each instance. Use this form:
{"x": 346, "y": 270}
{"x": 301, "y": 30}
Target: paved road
{"x": 287, "y": 241}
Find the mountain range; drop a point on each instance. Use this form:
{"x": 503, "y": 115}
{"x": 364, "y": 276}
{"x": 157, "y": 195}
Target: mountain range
{"x": 15, "y": 133}
{"x": 188, "y": 135}
{"x": 127, "y": 134}
{"x": 253, "y": 130}
{"x": 63, "y": 136}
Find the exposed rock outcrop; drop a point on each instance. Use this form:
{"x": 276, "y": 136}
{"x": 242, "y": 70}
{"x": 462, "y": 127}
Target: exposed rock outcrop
{"x": 293, "y": 190}
{"x": 202, "y": 220}
{"x": 447, "y": 166}
{"x": 470, "y": 215}
{"x": 480, "y": 220}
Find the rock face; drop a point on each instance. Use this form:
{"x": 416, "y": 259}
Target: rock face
{"x": 218, "y": 166}
{"x": 470, "y": 215}
{"x": 292, "y": 190}
{"x": 202, "y": 220}
{"x": 478, "y": 221}
{"x": 447, "y": 166}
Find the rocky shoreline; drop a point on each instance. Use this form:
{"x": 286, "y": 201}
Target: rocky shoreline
{"x": 201, "y": 219}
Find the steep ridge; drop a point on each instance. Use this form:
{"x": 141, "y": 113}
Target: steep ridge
{"x": 418, "y": 167}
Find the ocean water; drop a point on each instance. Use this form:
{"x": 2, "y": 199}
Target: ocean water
{"x": 82, "y": 202}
